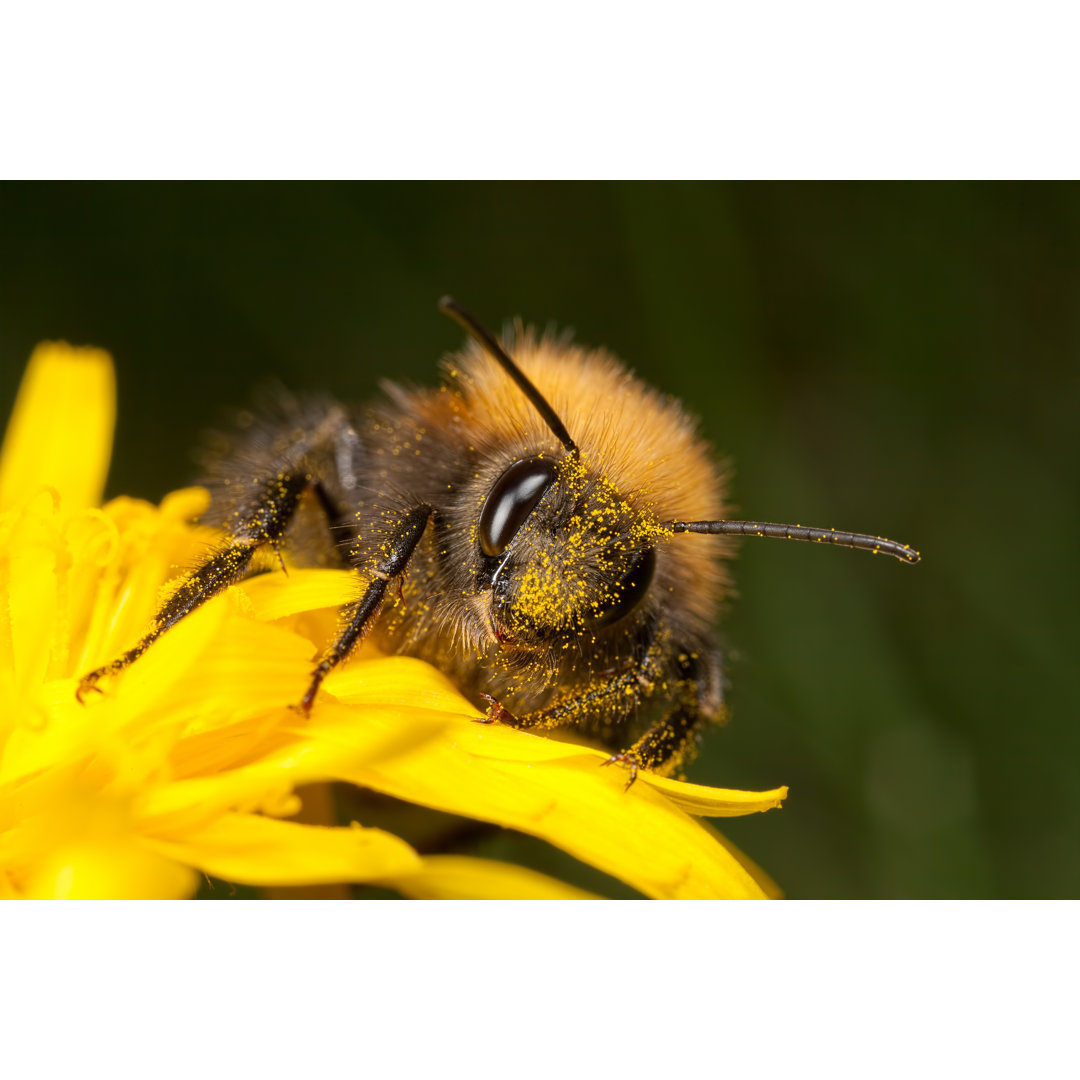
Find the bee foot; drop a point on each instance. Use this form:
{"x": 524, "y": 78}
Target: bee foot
{"x": 628, "y": 759}
{"x": 496, "y": 713}
{"x": 86, "y": 684}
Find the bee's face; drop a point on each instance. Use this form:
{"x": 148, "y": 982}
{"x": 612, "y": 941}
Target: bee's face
{"x": 562, "y": 553}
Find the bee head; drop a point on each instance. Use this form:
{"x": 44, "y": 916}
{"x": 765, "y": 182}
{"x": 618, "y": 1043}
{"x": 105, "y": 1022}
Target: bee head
{"x": 563, "y": 554}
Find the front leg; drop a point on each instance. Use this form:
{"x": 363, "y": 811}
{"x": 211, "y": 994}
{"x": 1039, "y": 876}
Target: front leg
{"x": 611, "y": 697}
{"x": 388, "y": 565}
{"x": 616, "y": 695}
{"x": 670, "y": 742}
{"x": 666, "y": 745}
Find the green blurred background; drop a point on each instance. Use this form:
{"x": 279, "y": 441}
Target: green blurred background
{"x": 897, "y": 359}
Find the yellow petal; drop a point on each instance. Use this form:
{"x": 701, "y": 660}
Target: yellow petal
{"x": 191, "y": 755}
{"x": 60, "y": 433}
{"x": 332, "y": 741}
{"x": 540, "y": 786}
{"x": 637, "y": 836}
{"x": 75, "y": 842}
{"x": 264, "y": 851}
{"x": 458, "y": 877}
{"x": 130, "y": 872}
{"x": 766, "y": 883}
{"x": 213, "y": 668}
{"x": 273, "y": 596}
{"x": 30, "y": 585}
{"x": 185, "y": 504}
{"x": 399, "y": 682}
{"x": 714, "y": 802}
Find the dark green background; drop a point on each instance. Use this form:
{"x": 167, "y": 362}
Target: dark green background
{"x": 899, "y": 359}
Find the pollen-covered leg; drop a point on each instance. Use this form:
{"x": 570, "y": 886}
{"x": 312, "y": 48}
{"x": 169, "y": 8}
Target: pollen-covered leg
{"x": 671, "y": 741}
{"x": 264, "y": 523}
{"x": 227, "y": 566}
{"x": 666, "y": 745}
{"x": 388, "y": 565}
{"x": 618, "y": 695}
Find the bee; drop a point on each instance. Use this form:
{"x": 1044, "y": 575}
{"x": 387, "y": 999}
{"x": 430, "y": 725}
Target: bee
{"x": 520, "y": 527}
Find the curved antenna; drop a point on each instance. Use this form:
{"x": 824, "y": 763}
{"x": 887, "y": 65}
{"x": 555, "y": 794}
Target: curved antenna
{"x": 449, "y": 306}
{"x": 861, "y": 541}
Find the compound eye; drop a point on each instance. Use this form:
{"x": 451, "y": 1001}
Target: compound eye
{"x": 512, "y": 498}
{"x": 630, "y": 590}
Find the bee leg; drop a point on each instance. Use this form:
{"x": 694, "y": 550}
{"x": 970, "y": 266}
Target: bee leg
{"x": 620, "y": 694}
{"x": 496, "y": 714}
{"x": 670, "y": 742}
{"x": 360, "y": 616}
{"x": 264, "y": 523}
{"x": 665, "y": 746}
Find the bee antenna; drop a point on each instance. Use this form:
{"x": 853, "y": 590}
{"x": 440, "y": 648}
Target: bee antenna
{"x": 449, "y": 306}
{"x": 862, "y": 541}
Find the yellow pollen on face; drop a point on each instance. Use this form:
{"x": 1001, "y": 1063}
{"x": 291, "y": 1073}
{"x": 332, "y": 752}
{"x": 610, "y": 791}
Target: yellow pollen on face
{"x": 579, "y": 573}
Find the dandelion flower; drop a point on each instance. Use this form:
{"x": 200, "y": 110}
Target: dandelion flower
{"x": 189, "y": 763}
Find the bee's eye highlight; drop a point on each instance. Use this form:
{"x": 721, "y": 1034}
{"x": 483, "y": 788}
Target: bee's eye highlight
{"x": 630, "y": 591}
{"x": 512, "y": 498}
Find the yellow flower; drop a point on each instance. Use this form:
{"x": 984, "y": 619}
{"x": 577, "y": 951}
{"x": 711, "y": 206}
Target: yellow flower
{"x": 190, "y": 761}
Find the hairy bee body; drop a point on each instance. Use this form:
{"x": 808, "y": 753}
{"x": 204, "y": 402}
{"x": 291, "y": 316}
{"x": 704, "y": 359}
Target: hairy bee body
{"x": 521, "y": 527}
{"x": 514, "y": 627}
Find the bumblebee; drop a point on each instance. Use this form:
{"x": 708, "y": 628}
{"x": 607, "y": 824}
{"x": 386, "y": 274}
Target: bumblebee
{"x": 520, "y": 527}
